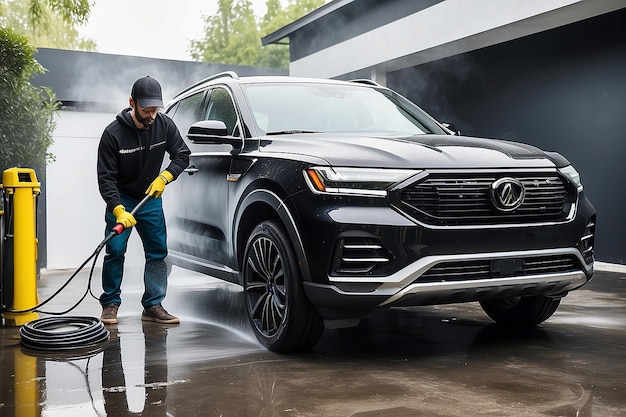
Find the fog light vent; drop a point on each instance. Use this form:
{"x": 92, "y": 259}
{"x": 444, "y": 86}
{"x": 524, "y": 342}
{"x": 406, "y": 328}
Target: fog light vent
{"x": 587, "y": 240}
{"x": 359, "y": 255}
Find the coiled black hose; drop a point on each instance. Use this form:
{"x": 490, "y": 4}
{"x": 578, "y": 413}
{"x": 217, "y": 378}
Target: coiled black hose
{"x": 64, "y": 334}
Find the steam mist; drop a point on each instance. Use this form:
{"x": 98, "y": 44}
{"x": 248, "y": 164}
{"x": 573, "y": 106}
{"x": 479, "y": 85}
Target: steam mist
{"x": 434, "y": 86}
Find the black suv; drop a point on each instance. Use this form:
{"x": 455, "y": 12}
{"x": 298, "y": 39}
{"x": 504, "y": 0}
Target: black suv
{"x": 328, "y": 200}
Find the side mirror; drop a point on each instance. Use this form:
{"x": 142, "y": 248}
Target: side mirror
{"x": 212, "y": 132}
{"x": 453, "y": 130}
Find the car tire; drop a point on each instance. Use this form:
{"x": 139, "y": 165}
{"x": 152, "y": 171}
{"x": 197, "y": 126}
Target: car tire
{"x": 521, "y": 311}
{"x": 281, "y": 316}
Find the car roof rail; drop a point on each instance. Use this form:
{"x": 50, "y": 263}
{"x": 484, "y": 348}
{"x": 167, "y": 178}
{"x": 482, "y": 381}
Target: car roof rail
{"x": 366, "y": 81}
{"x": 231, "y": 74}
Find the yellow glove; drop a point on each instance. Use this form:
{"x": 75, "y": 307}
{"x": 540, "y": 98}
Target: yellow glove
{"x": 158, "y": 185}
{"x": 123, "y": 217}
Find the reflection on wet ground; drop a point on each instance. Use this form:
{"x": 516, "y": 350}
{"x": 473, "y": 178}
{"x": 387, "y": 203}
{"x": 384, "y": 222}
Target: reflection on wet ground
{"x": 430, "y": 361}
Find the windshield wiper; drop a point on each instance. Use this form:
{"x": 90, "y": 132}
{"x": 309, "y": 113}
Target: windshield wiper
{"x": 291, "y": 132}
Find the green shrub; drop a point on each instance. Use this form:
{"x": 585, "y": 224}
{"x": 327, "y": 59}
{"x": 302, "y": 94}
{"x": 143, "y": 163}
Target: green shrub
{"x": 27, "y": 118}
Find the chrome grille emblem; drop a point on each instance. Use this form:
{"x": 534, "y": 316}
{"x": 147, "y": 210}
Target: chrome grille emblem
{"x": 507, "y": 194}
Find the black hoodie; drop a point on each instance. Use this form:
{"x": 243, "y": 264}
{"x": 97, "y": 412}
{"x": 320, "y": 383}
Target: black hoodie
{"x": 129, "y": 159}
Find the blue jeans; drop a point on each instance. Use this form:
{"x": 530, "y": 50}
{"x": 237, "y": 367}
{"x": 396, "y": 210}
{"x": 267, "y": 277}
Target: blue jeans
{"x": 151, "y": 228}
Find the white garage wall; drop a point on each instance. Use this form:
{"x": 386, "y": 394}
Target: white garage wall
{"x": 74, "y": 208}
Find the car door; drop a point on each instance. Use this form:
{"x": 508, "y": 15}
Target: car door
{"x": 184, "y": 113}
{"x": 205, "y": 227}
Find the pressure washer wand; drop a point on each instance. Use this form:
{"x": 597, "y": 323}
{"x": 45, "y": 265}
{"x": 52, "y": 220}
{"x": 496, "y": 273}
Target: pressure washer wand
{"x": 119, "y": 228}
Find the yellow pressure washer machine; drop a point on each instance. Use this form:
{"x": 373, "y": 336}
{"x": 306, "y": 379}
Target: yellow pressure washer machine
{"x": 18, "y": 244}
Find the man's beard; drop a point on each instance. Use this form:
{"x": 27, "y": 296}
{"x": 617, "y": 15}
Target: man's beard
{"x": 146, "y": 121}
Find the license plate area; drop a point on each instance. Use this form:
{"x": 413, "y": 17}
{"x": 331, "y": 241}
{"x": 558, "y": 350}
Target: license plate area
{"x": 506, "y": 267}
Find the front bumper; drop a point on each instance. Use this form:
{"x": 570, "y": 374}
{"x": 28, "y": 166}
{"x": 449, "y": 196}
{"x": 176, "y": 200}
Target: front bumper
{"x": 404, "y": 288}
{"x": 418, "y": 265}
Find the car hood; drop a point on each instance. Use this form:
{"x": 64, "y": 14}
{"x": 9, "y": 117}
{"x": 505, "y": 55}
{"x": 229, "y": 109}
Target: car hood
{"x": 423, "y": 151}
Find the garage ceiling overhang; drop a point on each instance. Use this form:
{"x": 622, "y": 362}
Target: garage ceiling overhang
{"x": 445, "y": 29}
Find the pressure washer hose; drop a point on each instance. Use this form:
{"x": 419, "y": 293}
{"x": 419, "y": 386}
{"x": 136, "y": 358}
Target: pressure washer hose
{"x": 62, "y": 334}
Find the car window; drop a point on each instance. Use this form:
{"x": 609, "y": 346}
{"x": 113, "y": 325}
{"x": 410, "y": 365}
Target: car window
{"x": 331, "y": 108}
{"x": 221, "y": 107}
{"x": 187, "y": 112}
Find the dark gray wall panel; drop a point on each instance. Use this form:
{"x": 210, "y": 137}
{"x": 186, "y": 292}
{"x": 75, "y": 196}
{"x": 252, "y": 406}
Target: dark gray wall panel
{"x": 88, "y": 79}
{"x": 562, "y": 90}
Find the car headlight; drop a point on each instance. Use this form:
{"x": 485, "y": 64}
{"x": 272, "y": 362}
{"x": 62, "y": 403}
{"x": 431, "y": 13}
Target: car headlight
{"x": 572, "y": 176}
{"x": 354, "y": 181}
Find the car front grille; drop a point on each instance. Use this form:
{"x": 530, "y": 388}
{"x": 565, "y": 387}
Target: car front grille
{"x": 485, "y": 269}
{"x": 462, "y": 199}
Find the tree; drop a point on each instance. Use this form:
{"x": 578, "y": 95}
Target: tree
{"x": 233, "y": 36}
{"x": 273, "y": 56}
{"x": 230, "y": 35}
{"x": 26, "y": 112}
{"x": 70, "y": 11}
{"x": 46, "y": 26}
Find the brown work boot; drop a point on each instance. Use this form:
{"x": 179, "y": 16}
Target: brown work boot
{"x": 109, "y": 313}
{"x": 159, "y": 314}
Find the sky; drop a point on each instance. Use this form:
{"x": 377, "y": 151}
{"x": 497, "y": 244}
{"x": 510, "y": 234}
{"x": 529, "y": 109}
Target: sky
{"x": 154, "y": 29}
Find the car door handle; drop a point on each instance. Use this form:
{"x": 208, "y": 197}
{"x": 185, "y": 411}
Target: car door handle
{"x": 191, "y": 170}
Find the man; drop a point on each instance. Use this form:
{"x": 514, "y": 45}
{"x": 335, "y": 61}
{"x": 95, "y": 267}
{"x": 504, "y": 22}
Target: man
{"x": 130, "y": 156}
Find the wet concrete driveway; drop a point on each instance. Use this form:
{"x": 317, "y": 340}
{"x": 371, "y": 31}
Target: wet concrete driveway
{"x": 431, "y": 361}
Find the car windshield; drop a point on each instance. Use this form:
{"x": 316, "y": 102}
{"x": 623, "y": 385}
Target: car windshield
{"x": 310, "y": 107}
